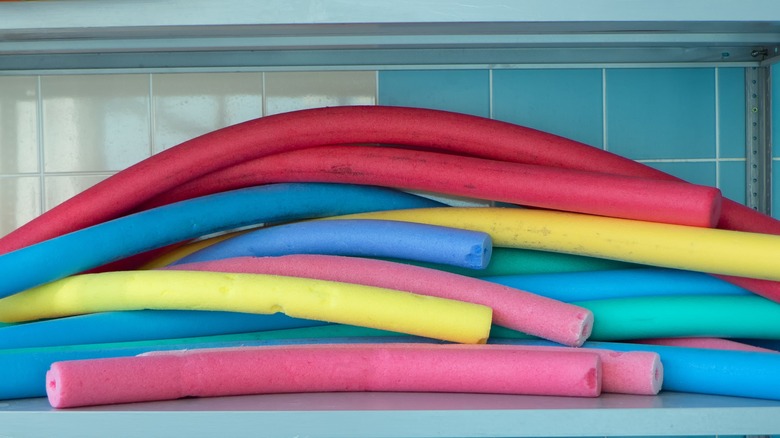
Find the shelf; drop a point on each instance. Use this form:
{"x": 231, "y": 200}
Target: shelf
{"x": 401, "y": 415}
{"x": 120, "y": 34}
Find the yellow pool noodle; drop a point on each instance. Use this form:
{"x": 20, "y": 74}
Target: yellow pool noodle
{"x": 330, "y": 301}
{"x": 674, "y": 246}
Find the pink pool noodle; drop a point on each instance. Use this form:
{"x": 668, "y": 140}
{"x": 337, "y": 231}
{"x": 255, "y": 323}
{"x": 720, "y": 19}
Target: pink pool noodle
{"x": 524, "y": 184}
{"x": 631, "y": 372}
{"x": 423, "y": 128}
{"x": 519, "y": 310}
{"x": 709, "y": 343}
{"x": 322, "y": 368}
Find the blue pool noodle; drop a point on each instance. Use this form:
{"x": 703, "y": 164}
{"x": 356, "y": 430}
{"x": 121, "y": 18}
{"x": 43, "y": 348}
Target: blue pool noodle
{"x": 120, "y": 238}
{"x": 358, "y": 237}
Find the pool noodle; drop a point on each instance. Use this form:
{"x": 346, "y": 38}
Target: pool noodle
{"x": 663, "y": 245}
{"x": 709, "y": 343}
{"x": 162, "y": 226}
{"x": 708, "y": 371}
{"x": 323, "y": 368}
{"x": 140, "y": 325}
{"x": 424, "y": 128}
{"x": 503, "y": 261}
{"x": 627, "y": 372}
{"x": 519, "y": 310}
{"x": 652, "y": 317}
{"x": 253, "y": 293}
{"x": 373, "y": 238}
{"x": 623, "y": 283}
{"x": 529, "y": 185}
{"x": 29, "y": 365}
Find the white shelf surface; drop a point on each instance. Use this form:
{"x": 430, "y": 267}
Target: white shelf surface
{"x": 400, "y": 415}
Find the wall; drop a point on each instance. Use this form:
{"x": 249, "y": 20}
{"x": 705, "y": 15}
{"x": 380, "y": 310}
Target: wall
{"x": 61, "y": 134}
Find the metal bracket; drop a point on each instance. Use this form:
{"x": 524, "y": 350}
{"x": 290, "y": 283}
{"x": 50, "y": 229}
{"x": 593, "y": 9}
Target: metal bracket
{"x": 758, "y": 139}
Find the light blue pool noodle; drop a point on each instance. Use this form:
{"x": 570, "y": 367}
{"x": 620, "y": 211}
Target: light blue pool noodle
{"x": 703, "y": 371}
{"x": 624, "y": 283}
{"x": 357, "y": 237}
{"x": 141, "y": 325}
{"x": 120, "y": 238}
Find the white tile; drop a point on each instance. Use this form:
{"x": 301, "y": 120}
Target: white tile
{"x": 18, "y": 124}
{"x": 290, "y": 91}
{"x": 187, "y": 105}
{"x": 61, "y": 188}
{"x": 95, "y": 122}
{"x": 19, "y": 200}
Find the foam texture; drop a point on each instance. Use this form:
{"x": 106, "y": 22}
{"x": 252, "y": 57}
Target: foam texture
{"x": 318, "y": 368}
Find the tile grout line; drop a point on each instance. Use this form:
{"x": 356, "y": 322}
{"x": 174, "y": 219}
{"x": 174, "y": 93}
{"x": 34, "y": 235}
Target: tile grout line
{"x": 717, "y": 127}
{"x": 490, "y": 93}
{"x": 41, "y": 151}
{"x": 376, "y": 87}
{"x": 604, "y": 143}
{"x": 263, "y": 98}
{"x": 152, "y": 118}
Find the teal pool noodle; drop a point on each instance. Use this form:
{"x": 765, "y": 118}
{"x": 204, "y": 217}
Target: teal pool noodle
{"x": 623, "y": 283}
{"x": 120, "y": 238}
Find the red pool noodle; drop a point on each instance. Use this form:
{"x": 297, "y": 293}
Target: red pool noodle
{"x": 530, "y": 185}
{"x": 424, "y": 128}
{"x": 322, "y": 368}
{"x": 710, "y": 343}
{"x": 523, "y": 311}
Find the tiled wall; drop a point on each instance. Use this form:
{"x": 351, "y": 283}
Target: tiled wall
{"x": 61, "y": 134}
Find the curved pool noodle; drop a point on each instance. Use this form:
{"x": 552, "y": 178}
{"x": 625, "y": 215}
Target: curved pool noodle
{"x": 623, "y": 283}
{"x": 322, "y": 368}
{"x": 707, "y": 371}
{"x": 372, "y": 238}
{"x": 628, "y": 372}
{"x": 113, "y": 240}
{"x": 663, "y": 245}
{"x": 253, "y": 293}
{"x": 424, "y": 128}
{"x": 516, "y": 309}
{"x": 140, "y": 325}
{"x": 710, "y": 343}
{"x": 524, "y": 184}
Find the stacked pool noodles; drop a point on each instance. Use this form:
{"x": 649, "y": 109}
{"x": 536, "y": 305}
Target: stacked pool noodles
{"x": 285, "y": 255}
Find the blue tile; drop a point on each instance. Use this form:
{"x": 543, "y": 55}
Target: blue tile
{"x": 568, "y": 103}
{"x": 732, "y": 180}
{"x": 697, "y": 172}
{"x": 661, "y": 113}
{"x": 731, "y": 93}
{"x": 463, "y": 91}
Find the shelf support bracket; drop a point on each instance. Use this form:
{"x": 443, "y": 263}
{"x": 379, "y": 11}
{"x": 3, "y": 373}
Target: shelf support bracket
{"x": 758, "y": 139}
